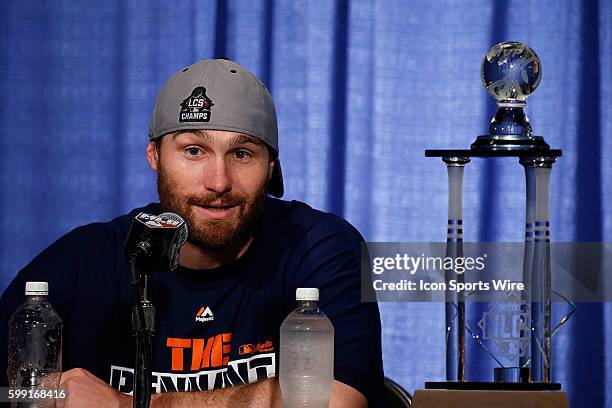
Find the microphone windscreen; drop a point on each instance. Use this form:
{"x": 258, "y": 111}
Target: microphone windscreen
{"x": 183, "y": 232}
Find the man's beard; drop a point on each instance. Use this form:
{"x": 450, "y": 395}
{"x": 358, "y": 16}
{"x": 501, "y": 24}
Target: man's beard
{"x": 214, "y": 234}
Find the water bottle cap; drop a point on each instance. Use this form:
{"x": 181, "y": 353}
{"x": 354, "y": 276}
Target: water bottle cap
{"x": 37, "y": 289}
{"x": 307, "y": 294}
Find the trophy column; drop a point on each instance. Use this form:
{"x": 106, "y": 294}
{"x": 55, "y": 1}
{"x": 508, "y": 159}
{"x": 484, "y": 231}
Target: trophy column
{"x": 454, "y": 306}
{"x": 538, "y": 276}
{"x": 530, "y": 195}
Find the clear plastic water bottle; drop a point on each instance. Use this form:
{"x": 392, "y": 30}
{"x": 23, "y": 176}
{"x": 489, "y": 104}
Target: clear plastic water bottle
{"x": 306, "y": 354}
{"x": 35, "y": 342}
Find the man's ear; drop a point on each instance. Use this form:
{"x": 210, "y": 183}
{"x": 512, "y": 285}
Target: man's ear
{"x": 271, "y": 164}
{"x": 153, "y": 155}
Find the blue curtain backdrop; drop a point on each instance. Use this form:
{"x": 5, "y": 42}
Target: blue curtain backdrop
{"x": 362, "y": 88}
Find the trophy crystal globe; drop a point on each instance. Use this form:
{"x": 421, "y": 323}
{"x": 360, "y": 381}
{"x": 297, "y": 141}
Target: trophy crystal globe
{"x": 510, "y": 73}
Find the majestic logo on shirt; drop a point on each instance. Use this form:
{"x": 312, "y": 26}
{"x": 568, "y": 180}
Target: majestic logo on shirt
{"x": 196, "y": 108}
{"x": 204, "y": 315}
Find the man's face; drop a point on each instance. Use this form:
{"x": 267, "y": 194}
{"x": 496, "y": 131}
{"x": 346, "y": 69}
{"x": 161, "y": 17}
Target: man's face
{"x": 216, "y": 180}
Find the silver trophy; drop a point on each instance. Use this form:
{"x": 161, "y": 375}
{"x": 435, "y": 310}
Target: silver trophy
{"x": 511, "y": 72}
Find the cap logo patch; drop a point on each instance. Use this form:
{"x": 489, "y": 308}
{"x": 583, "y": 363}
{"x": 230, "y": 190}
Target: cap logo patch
{"x": 196, "y": 108}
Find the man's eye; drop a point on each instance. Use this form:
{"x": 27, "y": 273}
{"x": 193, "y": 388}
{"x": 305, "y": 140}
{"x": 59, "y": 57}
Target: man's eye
{"x": 242, "y": 154}
{"x": 193, "y": 151}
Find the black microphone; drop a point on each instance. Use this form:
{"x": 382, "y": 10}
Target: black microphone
{"x": 155, "y": 241}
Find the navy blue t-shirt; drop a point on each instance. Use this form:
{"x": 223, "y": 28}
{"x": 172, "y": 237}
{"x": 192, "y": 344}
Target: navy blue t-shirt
{"x": 214, "y": 328}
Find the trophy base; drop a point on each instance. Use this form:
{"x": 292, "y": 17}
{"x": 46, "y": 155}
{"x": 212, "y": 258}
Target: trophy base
{"x": 497, "y": 386}
{"x": 492, "y": 153}
{"x": 509, "y": 142}
{"x": 489, "y": 398}
{"x": 511, "y": 374}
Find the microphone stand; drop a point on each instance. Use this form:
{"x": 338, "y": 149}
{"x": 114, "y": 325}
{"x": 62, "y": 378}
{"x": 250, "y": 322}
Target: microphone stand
{"x": 143, "y": 328}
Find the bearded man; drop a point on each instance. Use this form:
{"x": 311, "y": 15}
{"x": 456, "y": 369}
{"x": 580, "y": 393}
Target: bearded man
{"x": 213, "y": 142}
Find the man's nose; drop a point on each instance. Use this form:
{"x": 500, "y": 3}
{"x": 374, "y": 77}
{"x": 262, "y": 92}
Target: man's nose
{"x": 218, "y": 177}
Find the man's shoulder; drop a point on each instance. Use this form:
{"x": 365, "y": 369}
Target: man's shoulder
{"x": 106, "y": 231}
{"x": 298, "y": 218}
{"x": 78, "y": 254}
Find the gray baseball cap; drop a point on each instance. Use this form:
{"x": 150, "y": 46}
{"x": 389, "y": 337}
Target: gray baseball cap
{"x": 220, "y": 95}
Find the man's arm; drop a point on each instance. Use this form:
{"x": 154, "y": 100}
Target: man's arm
{"x": 86, "y": 390}
{"x": 265, "y": 393}
{"x": 262, "y": 394}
